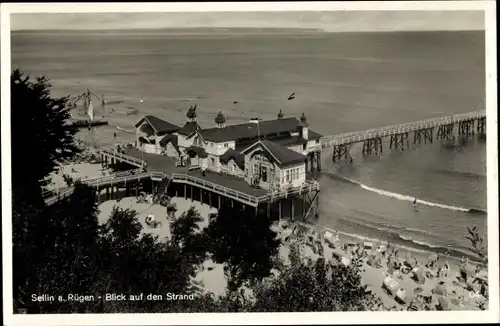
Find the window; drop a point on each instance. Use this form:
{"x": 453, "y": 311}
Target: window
{"x": 263, "y": 173}
{"x": 287, "y": 175}
{"x": 255, "y": 169}
{"x": 226, "y": 144}
{"x": 213, "y": 161}
{"x": 304, "y": 147}
{"x": 317, "y": 141}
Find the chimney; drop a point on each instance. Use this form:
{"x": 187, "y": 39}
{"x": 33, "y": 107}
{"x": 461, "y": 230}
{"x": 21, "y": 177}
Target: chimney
{"x": 220, "y": 120}
{"x": 280, "y": 114}
{"x": 305, "y": 127}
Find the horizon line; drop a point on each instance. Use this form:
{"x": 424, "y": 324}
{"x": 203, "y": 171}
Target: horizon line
{"x": 317, "y": 30}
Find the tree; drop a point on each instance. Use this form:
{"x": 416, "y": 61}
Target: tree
{"x": 64, "y": 249}
{"x": 133, "y": 262}
{"x": 38, "y": 133}
{"x": 244, "y": 243}
{"x": 187, "y": 235}
{"x": 314, "y": 286}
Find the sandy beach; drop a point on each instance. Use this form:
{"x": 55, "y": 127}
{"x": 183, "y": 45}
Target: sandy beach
{"x": 453, "y": 293}
{"x": 443, "y": 292}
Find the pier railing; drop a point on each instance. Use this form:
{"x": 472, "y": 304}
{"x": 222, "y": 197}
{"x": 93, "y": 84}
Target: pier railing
{"x": 307, "y": 186}
{"x": 123, "y": 157}
{"x": 222, "y": 190}
{"x": 359, "y": 136}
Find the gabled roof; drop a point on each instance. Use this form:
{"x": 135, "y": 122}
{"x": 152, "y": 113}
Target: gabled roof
{"x": 188, "y": 128}
{"x": 313, "y": 135}
{"x": 198, "y": 151}
{"x": 169, "y": 139}
{"x": 238, "y": 158}
{"x": 281, "y": 154}
{"x": 158, "y": 125}
{"x": 249, "y": 130}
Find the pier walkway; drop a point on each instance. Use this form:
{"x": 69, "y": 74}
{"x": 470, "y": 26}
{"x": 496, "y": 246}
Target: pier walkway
{"x": 399, "y": 134}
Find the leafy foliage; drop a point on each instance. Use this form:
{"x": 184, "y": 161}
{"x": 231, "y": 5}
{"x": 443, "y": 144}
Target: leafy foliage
{"x": 244, "y": 242}
{"x": 314, "y": 286}
{"x": 477, "y": 243}
{"x": 187, "y": 235}
{"x": 68, "y": 179}
{"x": 39, "y": 130}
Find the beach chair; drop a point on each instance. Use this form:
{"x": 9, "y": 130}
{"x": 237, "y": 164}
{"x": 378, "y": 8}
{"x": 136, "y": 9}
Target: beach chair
{"x": 418, "y": 275}
{"x": 328, "y": 236}
{"x": 466, "y": 273}
{"x": 440, "y": 290}
{"x": 150, "y": 219}
{"x": 443, "y": 304}
{"x": 415, "y": 305}
{"x": 370, "y": 260}
{"x": 401, "y": 296}
{"x": 390, "y": 285}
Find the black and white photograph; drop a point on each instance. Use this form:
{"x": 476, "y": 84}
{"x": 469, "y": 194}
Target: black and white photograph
{"x": 161, "y": 160}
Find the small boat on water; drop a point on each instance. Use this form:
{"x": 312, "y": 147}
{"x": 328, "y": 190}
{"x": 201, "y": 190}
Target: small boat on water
{"x": 77, "y": 123}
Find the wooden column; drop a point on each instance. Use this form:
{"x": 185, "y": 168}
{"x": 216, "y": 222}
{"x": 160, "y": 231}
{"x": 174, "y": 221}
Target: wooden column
{"x": 201, "y": 196}
{"x": 191, "y": 192}
{"x": 232, "y": 203}
{"x": 210, "y": 199}
{"x": 185, "y": 191}
{"x": 107, "y": 193}
{"x": 293, "y": 209}
{"x": 256, "y": 210}
{"x": 218, "y": 199}
{"x": 279, "y": 209}
{"x": 137, "y": 189}
{"x": 303, "y": 206}
{"x": 268, "y": 210}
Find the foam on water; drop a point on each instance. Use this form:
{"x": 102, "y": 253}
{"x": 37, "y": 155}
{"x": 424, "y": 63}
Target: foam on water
{"x": 411, "y": 198}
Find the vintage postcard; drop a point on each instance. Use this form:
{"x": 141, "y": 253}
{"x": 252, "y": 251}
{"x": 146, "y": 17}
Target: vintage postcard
{"x": 249, "y": 163}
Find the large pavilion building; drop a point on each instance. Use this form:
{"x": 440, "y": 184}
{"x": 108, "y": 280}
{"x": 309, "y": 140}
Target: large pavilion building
{"x": 271, "y": 154}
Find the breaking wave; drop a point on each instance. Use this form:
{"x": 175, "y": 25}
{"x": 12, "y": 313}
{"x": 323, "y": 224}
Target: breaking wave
{"x": 406, "y": 197}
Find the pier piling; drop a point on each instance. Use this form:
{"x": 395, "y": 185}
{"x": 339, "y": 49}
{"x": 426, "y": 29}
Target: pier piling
{"x": 445, "y": 131}
{"x": 398, "y": 141}
{"x": 372, "y": 146}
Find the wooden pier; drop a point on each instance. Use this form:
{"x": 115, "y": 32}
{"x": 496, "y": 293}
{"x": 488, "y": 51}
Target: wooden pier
{"x": 213, "y": 188}
{"x": 400, "y": 134}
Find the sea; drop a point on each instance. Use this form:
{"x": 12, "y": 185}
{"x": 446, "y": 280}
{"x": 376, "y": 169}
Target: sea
{"x": 343, "y": 82}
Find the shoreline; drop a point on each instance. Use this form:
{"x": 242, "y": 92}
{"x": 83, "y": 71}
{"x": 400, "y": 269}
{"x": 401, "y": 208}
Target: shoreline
{"x": 421, "y": 254}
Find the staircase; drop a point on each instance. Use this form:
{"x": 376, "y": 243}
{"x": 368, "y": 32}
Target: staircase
{"x": 161, "y": 189}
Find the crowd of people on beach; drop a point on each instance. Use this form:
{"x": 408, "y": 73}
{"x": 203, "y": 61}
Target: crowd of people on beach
{"x": 406, "y": 282}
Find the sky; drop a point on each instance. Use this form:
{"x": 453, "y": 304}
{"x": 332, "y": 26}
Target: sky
{"x": 332, "y": 21}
